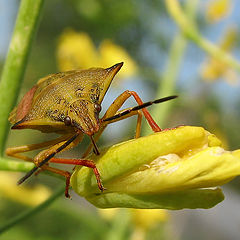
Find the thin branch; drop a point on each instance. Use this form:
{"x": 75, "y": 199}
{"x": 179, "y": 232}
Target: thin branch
{"x": 168, "y": 82}
{"x": 190, "y": 30}
{"x": 32, "y": 211}
{"x": 15, "y": 65}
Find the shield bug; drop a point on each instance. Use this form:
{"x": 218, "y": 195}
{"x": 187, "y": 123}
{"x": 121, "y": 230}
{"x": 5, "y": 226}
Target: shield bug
{"x": 69, "y": 103}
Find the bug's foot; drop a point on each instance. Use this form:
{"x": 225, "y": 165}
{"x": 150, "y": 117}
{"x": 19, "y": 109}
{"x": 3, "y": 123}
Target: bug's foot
{"x": 102, "y": 188}
{"x": 67, "y": 195}
{"x": 100, "y": 185}
{"x": 68, "y": 176}
{"x": 99, "y": 181}
{"x": 167, "y": 129}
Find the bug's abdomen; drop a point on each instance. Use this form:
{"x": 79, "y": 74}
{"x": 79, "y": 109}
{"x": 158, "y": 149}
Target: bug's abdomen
{"x": 52, "y": 103}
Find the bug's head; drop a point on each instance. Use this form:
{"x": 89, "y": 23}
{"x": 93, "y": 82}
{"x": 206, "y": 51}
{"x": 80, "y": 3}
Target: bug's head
{"x": 92, "y": 85}
{"x": 83, "y": 115}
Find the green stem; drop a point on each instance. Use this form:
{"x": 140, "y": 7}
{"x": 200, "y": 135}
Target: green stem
{"x": 20, "y": 166}
{"x": 191, "y": 31}
{"x": 167, "y": 85}
{"x": 15, "y": 65}
{"x": 15, "y": 166}
{"x": 87, "y": 219}
{"x": 119, "y": 226}
{"x": 32, "y": 211}
{"x": 218, "y": 53}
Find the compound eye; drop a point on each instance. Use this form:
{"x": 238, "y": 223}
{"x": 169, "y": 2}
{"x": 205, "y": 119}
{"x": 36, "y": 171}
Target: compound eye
{"x": 97, "y": 107}
{"x": 67, "y": 121}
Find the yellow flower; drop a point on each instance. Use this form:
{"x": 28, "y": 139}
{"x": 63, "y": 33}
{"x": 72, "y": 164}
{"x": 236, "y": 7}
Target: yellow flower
{"x": 108, "y": 214}
{"x": 29, "y": 196}
{"x": 218, "y": 9}
{"x": 111, "y": 53}
{"x": 76, "y": 50}
{"x": 142, "y": 218}
{"x": 172, "y": 169}
{"x": 147, "y": 218}
{"x": 214, "y": 68}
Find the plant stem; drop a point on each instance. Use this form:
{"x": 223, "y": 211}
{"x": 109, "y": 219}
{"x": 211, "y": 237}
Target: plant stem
{"x": 167, "y": 85}
{"x": 32, "y": 211}
{"x": 15, "y": 166}
{"x": 21, "y": 166}
{"x": 15, "y": 65}
{"x": 119, "y": 226}
{"x": 190, "y": 30}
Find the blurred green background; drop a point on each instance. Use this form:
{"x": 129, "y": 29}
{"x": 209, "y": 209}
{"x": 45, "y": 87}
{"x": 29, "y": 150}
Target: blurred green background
{"x": 143, "y": 35}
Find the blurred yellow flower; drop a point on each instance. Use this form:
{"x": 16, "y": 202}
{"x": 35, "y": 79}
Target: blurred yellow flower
{"x": 25, "y": 195}
{"x": 147, "y": 218}
{"x": 111, "y": 53}
{"x": 214, "y": 69}
{"x": 218, "y": 9}
{"x": 108, "y": 214}
{"x": 142, "y": 220}
{"x": 76, "y": 50}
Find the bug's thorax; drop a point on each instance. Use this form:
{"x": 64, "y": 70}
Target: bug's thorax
{"x": 84, "y": 116}
{"x": 65, "y": 99}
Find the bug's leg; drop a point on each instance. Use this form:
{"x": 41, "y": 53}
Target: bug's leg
{"x": 111, "y": 111}
{"x": 15, "y": 151}
{"x": 58, "y": 147}
{"x": 63, "y": 173}
{"x": 146, "y": 113}
{"x": 82, "y": 162}
{"x": 44, "y": 156}
{"x": 120, "y": 100}
{"x": 139, "y": 124}
{"x": 113, "y": 115}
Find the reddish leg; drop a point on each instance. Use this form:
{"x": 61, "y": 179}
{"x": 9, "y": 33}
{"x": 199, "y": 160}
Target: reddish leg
{"x": 81, "y": 162}
{"x": 66, "y": 174}
{"x": 146, "y": 113}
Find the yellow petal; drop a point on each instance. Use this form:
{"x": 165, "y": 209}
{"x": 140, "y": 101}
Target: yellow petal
{"x": 25, "y": 195}
{"x": 218, "y": 9}
{"x": 214, "y": 68}
{"x": 146, "y": 218}
{"x": 111, "y": 53}
{"x": 76, "y": 51}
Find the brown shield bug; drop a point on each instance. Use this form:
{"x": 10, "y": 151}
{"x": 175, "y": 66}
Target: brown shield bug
{"x": 69, "y": 103}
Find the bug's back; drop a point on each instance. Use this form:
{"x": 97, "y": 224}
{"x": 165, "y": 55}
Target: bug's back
{"x": 46, "y": 105}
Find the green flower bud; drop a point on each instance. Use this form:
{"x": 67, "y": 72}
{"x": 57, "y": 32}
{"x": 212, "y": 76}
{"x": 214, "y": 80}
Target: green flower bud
{"x": 172, "y": 169}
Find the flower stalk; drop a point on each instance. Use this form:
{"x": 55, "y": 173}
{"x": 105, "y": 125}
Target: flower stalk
{"x": 190, "y": 30}
{"x": 168, "y": 80}
{"x": 15, "y": 64}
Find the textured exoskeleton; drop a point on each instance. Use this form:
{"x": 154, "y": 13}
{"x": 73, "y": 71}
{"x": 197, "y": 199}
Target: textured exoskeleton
{"x": 69, "y": 103}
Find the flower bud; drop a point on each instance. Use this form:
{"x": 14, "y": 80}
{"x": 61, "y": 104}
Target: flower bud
{"x": 172, "y": 169}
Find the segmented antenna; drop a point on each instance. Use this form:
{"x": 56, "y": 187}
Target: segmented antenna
{"x": 146, "y": 104}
